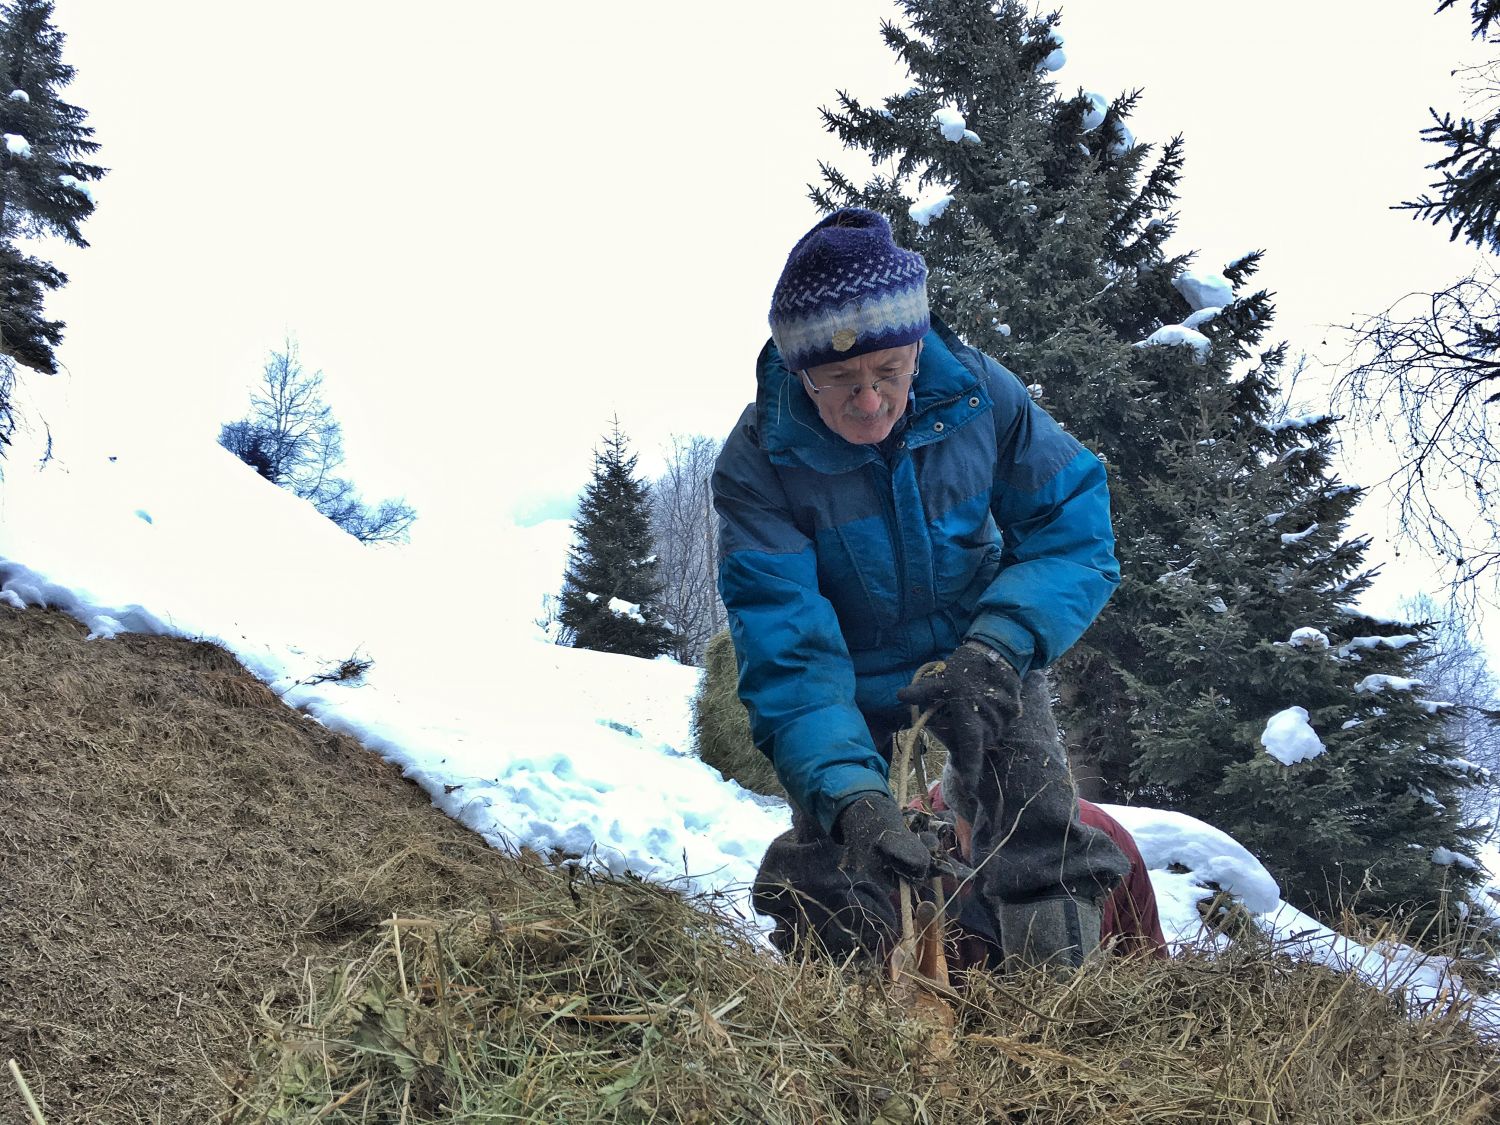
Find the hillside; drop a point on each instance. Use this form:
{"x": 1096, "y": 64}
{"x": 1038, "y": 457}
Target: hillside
{"x": 196, "y": 926}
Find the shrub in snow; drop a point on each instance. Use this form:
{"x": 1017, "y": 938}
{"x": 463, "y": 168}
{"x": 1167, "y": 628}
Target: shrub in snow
{"x": 17, "y": 145}
{"x": 614, "y": 544}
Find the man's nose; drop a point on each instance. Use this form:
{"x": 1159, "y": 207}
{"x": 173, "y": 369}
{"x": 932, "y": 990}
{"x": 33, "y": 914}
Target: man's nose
{"x": 867, "y": 398}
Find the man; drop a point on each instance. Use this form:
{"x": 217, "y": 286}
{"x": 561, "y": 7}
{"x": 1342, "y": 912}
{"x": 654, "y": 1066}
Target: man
{"x": 893, "y": 497}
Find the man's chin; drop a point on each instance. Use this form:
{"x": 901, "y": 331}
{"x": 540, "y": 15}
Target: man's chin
{"x": 866, "y": 433}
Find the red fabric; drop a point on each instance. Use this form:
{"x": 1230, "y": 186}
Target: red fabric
{"x": 1130, "y": 917}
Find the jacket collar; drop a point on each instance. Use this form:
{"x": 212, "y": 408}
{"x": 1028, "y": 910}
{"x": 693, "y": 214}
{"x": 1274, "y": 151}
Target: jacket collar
{"x": 949, "y": 391}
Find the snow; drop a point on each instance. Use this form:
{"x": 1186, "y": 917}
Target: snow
{"x": 951, "y": 123}
{"x": 1056, "y": 59}
{"x": 18, "y": 96}
{"x": 1202, "y": 317}
{"x": 1297, "y": 536}
{"x": 1214, "y": 861}
{"x": 1290, "y": 738}
{"x": 569, "y": 752}
{"x": 1204, "y": 290}
{"x": 1372, "y": 684}
{"x": 1446, "y": 858}
{"x": 77, "y": 185}
{"x": 527, "y": 743}
{"x": 1093, "y": 117}
{"x": 18, "y": 146}
{"x": 1179, "y": 336}
{"x": 1308, "y": 637}
{"x": 1298, "y": 423}
{"x": 1003, "y": 329}
{"x": 932, "y": 204}
{"x": 1397, "y": 642}
{"x": 1123, "y": 142}
{"x": 621, "y": 608}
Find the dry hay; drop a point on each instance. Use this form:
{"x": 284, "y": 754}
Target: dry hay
{"x": 597, "y": 1000}
{"x": 196, "y": 923}
{"x": 721, "y": 724}
{"x": 175, "y": 844}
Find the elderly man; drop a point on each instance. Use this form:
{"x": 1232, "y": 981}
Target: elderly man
{"x": 894, "y": 497}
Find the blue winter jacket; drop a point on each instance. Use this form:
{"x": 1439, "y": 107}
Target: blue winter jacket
{"x": 844, "y": 569}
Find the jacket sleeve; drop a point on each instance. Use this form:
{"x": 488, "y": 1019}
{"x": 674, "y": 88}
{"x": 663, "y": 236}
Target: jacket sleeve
{"x": 796, "y": 677}
{"x": 1051, "y": 503}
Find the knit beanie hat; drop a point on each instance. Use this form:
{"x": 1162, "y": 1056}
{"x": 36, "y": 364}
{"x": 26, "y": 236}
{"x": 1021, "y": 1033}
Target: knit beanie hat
{"x": 847, "y": 289}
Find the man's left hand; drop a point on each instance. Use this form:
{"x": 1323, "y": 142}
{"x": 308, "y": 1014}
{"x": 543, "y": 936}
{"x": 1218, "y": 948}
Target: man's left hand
{"x": 977, "y": 695}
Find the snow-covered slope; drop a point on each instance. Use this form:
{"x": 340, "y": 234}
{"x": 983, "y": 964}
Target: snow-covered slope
{"x": 527, "y": 743}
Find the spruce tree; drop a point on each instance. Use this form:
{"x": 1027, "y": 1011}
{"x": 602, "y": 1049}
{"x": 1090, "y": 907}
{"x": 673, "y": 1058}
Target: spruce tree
{"x": 610, "y": 590}
{"x": 1044, "y": 227}
{"x": 44, "y": 176}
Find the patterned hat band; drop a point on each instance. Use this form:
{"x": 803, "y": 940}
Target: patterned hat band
{"x": 847, "y": 289}
{"x": 869, "y": 324}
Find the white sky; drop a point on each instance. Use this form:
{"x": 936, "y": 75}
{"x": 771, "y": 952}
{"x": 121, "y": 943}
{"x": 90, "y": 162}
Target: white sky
{"x": 495, "y": 226}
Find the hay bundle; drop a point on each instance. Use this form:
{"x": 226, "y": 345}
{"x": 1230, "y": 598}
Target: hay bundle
{"x": 722, "y": 725}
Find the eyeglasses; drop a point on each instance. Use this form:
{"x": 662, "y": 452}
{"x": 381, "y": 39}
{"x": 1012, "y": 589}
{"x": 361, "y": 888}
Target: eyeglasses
{"x": 886, "y": 384}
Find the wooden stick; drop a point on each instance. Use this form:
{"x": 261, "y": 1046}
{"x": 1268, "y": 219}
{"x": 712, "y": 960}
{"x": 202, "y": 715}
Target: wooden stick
{"x": 400, "y": 962}
{"x": 331, "y": 1106}
{"x": 36, "y": 1110}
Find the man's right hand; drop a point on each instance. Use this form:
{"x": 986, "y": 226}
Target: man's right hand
{"x": 878, "y": 845}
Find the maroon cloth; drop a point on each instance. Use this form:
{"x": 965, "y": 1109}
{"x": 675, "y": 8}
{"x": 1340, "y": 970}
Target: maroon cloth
{"x": 1130, "y": 919}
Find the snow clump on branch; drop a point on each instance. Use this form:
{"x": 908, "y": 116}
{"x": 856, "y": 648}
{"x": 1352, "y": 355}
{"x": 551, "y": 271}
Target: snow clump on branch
{"x": 1290, "y": 738}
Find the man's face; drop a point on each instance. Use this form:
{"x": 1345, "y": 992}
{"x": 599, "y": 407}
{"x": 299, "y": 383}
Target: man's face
{"x": 879, "y": 381}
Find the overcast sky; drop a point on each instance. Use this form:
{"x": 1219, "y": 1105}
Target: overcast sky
{"x": 495, "y": 226}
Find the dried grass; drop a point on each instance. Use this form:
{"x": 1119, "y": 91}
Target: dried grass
{"x": 197, "y": 924}
{"x": 175, "y": 844}
{"x": 599, "y": 1000}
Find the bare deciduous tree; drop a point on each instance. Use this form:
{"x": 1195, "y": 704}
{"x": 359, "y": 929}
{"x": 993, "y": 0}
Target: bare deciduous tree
{"x": 1456, "y": 671}
{"x": 1428, "y": 367}
{"x": 1428, "y": 370}
{"x": 686, "y": 530}
{"x": 291, "y": 438}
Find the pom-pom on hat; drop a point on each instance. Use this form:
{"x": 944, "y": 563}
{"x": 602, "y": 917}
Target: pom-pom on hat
{"x": 847, "y": 289}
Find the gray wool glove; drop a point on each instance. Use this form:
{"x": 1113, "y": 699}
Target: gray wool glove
{"x": 878, "y": 845}
{"x": 977, "y": 696}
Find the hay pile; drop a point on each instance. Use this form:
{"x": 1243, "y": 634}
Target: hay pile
{"x": 175, "y": 844}
{"x": 589, "y": 1001}
{"x": 196, "y": 926}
